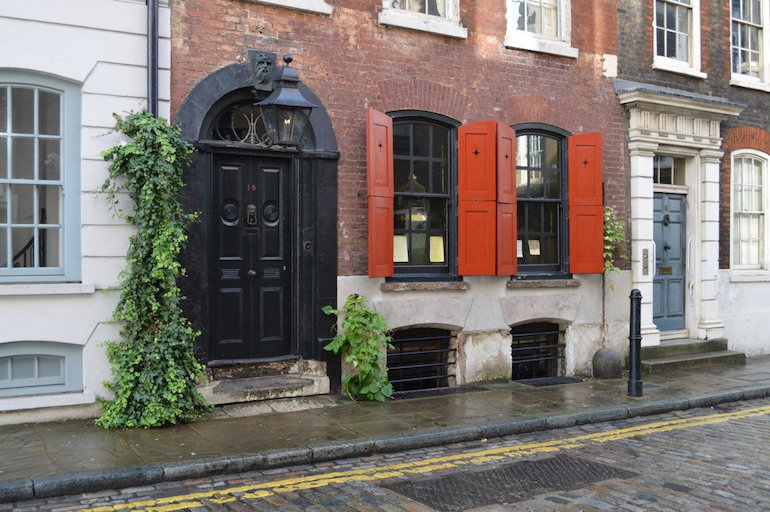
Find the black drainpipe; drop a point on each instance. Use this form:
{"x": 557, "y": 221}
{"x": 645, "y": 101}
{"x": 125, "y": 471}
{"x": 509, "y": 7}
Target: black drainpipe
{"x": 152, "y": 57}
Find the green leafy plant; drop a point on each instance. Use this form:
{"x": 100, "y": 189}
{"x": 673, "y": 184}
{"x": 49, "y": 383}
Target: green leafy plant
{"x": 154, "y": 369}
{"x": 615, "y": 243}
{"x": 363, "y": 339}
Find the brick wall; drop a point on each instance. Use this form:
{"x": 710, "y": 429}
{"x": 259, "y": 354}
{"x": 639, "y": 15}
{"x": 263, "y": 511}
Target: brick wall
{"x": 350, "y": 63}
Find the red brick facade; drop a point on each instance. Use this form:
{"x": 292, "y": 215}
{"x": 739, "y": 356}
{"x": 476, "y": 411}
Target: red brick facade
{"x": 350, "y": 62}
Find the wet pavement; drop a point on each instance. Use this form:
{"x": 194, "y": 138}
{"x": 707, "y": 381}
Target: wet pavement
{"x": 52, "y": 459}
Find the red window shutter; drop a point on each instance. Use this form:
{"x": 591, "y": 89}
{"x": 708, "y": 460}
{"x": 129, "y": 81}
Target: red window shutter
{"x": 476, "y": 161}
{"x": 506, "y": 164}
{"x": 379, "y": 164}
{"x": 476, "y": 238}
{"x": 506, "y": 239}
{"x": 586, "y": 214}
{"x": 476, "y": 191}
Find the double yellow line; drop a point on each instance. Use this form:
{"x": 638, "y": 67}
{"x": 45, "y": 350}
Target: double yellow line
{"x": 263, "y": 490}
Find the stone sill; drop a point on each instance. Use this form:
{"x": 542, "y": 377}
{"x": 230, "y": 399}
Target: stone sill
{"x": 424, "y": 286}
{"x": 516, "y": 284}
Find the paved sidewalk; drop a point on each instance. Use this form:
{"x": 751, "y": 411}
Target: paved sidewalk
{"x": 53, "y": 459}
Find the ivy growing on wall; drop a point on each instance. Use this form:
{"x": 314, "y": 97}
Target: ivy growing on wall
{"x": 154, "y": 369}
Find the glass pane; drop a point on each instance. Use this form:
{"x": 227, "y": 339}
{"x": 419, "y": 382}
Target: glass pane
{"x": 401, "y": 173}
{"x": 49, "y": 159}
{"x": 438, "y": 215}
{"x": 22, "y": 367}
{"x": 22, "y": 110}
{"x": 735, "y": 7}
{"x": 671, "y": 45}
{"x": 549, "y": 250}
{"x": 23, "y": 204}
{"x": 418, "y": 216}
{"x": 551, "y": 153}
{"x": 4, "y": 257}
{"x": 682, "y": 48}
{"x": 536, "y": 187}
{"x": 534, "y": 217}
{"x": 4, "y": 195}
{"x": 440, "y": 142}
{"x": 5, "y": 362}
{"x": 756, "y": 13}
{"x": 420, "y": 177}
{"x": 49, "y": 111}
{"x": 440, "y": 178}
{"x": 536, "y": 150}
{"x": 661, "y": 42}
{"x": 23, "y": 247}
{"x": 401, "y": 139}
{"x": 3, "y": 109}
{"x": 419, "y": 249}
{"x": 421, "y": 139}
{"x": 552, "y": 188}
{"x": 50, "y": 247}
{"x": 437, "y": 249}
{"x": 49, "y": 199}
{"x": 521, "y": 150}
{"x": 23, "y": 158}
{"x": 660, "y": 15}
{"x": 550, "y": 218}
{"x": 437, "y": 8}
{"x": 518, "y": 14}
{"x": 49, "y": 366}
{"x": 401, "y": 213}
{"x": 550, "y": 22}
{"x": 3, "y": 158}
{"x": 521, "y": 183}
{"x": 670, "y": 16}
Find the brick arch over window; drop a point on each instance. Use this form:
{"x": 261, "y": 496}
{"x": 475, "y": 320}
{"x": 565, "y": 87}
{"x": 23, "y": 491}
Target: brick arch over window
{"x": 533, "y": 108}
{"x": 735, "y": 138}
{"x": 419, "y": 94}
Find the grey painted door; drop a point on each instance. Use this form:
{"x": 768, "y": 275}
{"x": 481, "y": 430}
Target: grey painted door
{"x": 251, "y": 267}
{"x": 669, "y": 282}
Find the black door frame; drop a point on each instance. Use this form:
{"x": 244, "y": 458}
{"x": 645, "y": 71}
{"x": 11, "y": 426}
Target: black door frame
{"x": 315, "y": 215}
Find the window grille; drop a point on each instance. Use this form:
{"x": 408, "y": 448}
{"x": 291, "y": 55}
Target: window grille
{"x": 422, "y": 358}
{"x": 537, "y": 351}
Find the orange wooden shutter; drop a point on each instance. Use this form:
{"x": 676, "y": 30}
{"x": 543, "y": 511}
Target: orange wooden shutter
{"x": 506, "y": 201}
{"x": 476, "y": 191}
{"x": 586, "y": 214}
{"x": 379, "y": 165}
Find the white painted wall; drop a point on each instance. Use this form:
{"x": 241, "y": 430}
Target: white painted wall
{"x": 102, "y": 46}
{"x": 743, "y": 302}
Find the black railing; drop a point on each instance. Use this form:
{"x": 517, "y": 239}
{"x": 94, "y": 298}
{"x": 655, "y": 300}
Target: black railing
{"x": 536, "y": 351}
{"x": 421, "y": 359}
{"x": 25, "y": 257}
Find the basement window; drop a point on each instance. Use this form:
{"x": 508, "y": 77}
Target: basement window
{"x": 422, "y": 358}
{"x": 39, "y": 367}
{"x": 537, "y": 351}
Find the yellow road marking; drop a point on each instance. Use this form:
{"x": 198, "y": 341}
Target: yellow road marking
{"x": 266, "y": 489}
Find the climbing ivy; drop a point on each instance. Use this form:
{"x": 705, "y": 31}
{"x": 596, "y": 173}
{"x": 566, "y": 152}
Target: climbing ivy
{"x": 363, "y": 340}
{"x": 154, "y": 369}
{"x": 615, "y": 243}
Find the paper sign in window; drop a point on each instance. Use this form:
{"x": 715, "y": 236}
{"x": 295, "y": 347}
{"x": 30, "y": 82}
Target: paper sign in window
{"x": 534, "y": 247}
{"x": 400, "y": 249}
{"x": 437, "y": 249}
{"x": 519, "y": 249}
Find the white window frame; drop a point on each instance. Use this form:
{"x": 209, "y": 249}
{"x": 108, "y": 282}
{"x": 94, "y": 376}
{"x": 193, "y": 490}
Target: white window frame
{"x": 762, "y": 82}
{"x": 448, "y": 25}
{"x": 70, "y": 265}
{"x": 763, "y": 267}
{"x": 692, "y": 66}
{"x": 316, "y": 6}
{"x": 524, "y": 40}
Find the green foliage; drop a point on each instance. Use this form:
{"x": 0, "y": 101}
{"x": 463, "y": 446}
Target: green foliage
{"x": 154, "y": 369}
{"x": 363, "y": 340}
{"x": 615, "y": 243}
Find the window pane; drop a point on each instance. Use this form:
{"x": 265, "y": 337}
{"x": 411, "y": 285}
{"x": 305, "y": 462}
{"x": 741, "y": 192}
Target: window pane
{"x": 22, "y": 204}
{"x": 440, "y": 178}
{"x": 401, "y": 139}
{"x": 552, "y": 185}
{"x": 551, "y": 153}
{"x": 437, "y": 7}
{"x": 23, "y": 247}
{"x": 440, "y": 142}
{"x": 3, "y": 109}
{"x": 50, "y": 247}
{"x": 521, "y": 150}
{"x": 670, "y": 16}
{"x": 549, "y": 250}
{"x": 22, "y": 367}
{"x": 550, "y": 22}
{"x": 438, "y": 215}
{"x": 3, "y": 158}
{"x": 23, "y": 158}
{"x": 4, "y": 195}
{"x": 421, "y": 140}
{"x": 4, "y": 257}
{"x": 518, "y": 14}
{"x": 682, "y": 50}
{"x": 550, "y": 218}
{"x": 661, "y": 42}
{"x": 49, "y": 366}
{"x": 522, "y": 183}
{"x": 756, "y": 13}
{"x": 49, "y": 159}
{"x": 660, "y": 14}
{"x": 419, "y": 249}
{"x": 49, "y": 199}
{"x": 49, "y": 112}
{"x": 5, "y": 362}
{"x": 534, "y": 217}
{"x": 401, "y": 213}
{"x": 22, "y": 110}
{"x": 401, "y": 173}
{"x": 533, "y": 24}
{"x": 536, "y": 187}
{"x": 420, "y": 178}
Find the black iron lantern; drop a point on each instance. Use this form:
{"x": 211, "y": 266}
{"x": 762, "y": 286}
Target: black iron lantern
{"x": 286, "y": 111}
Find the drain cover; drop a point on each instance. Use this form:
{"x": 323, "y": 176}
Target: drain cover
{"x": 508, "y": 483}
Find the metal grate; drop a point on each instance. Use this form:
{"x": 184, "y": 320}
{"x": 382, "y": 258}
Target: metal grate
{"x": 536, "y": 350}
{"x": 507, "y": 483}
{"x": 422, "y": 358}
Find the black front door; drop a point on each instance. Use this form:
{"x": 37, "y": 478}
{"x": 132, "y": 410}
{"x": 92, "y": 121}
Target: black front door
{"x": 251, "y": 268}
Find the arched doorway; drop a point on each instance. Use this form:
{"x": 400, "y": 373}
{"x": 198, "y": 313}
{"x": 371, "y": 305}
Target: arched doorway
{"x": 258, "y": 271}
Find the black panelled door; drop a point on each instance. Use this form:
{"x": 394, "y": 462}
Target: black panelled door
{"x": 251, "y": 269}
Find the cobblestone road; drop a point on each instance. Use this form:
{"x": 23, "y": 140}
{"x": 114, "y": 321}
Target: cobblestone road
{"x": 701, "y": 459}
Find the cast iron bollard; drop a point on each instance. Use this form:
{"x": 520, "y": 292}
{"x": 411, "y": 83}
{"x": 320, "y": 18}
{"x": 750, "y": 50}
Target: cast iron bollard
{"x": 635, "y": 345}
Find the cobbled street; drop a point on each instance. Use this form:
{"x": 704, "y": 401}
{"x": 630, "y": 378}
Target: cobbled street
{"x": 701, "y": 459}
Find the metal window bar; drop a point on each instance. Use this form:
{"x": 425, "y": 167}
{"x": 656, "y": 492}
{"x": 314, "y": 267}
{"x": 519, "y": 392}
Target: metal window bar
{"x": 420, "y": 359}
{"x": 536, "y": 353}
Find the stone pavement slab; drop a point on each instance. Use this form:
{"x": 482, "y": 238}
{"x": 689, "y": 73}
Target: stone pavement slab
{"x": 52, "y": 459}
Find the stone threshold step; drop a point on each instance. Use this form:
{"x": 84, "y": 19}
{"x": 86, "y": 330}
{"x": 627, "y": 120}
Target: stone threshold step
{"x": 256, "y": 389}
{"x": 683, "y": 346}
{"x": 690, "y": 361}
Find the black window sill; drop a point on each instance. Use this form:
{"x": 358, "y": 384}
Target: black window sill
{"x": 517, "y": 284}
{"x": 403, "y": 286}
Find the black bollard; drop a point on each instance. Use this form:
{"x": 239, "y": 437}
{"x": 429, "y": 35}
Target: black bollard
{"x": 635, "y": 345}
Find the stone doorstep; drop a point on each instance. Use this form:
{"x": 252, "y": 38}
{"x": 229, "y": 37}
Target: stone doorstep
{"x": 257, "y": 389}
{"x": 690, "y": 361}
{"x": 683, "y": 346}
